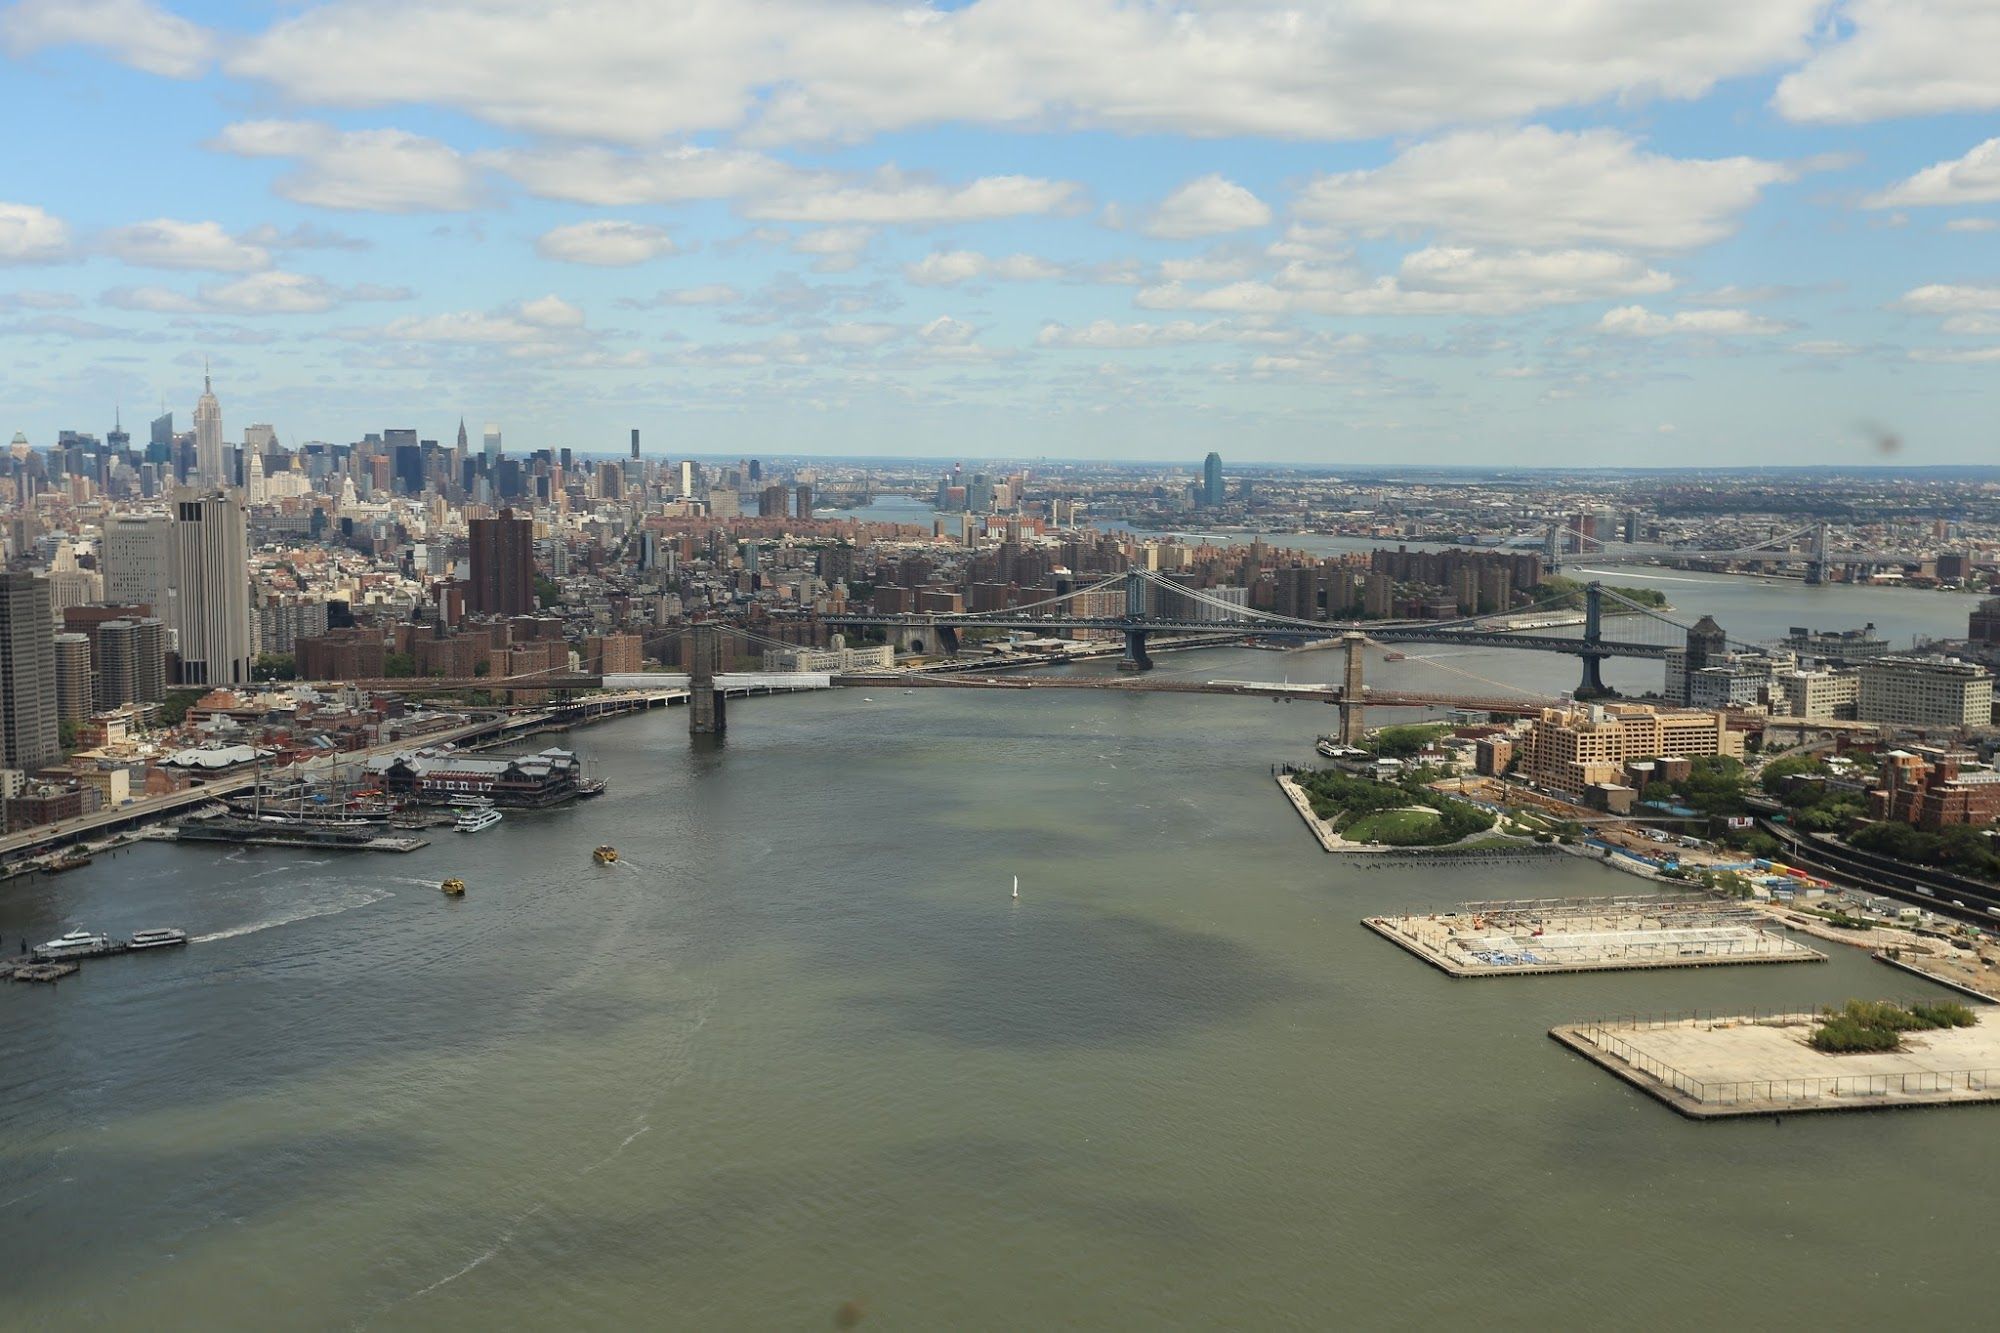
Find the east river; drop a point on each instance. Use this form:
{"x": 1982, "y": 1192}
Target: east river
{"x": 800, "y": 1049}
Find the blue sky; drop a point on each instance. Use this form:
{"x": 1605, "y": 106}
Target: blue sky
{"x": 1448, "y": 231}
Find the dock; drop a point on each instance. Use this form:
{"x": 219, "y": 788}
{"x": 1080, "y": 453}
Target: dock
{"x": 246, "y": 833}
{"x": 1540, "y": 936}
{"x": 1718, "y": 1066}
{"x": 19, "y": 970}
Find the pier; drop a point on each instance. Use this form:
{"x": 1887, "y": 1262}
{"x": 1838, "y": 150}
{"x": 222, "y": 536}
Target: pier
{"x": 1720, "y": 1065}
{"x": 1539, "y": 936}
{"x": 252, "y": 834}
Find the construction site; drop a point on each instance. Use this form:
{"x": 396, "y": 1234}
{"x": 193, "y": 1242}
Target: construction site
{"x": 1534, "y": 936}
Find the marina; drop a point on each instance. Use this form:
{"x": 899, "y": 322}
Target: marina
{"x": 369, "y": 837}
{"x": 1529, "y": 937}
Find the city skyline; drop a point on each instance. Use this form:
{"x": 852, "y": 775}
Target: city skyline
{"x": 1717, "y": 233}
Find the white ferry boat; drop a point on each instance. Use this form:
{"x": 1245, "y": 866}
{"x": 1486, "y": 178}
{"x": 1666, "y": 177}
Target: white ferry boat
{"x": 162, "y": 938}
{"x": 479, "y": 820}
{"x": 77, "y": 941}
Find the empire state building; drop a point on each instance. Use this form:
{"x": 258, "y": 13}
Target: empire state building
{"x": 208, "y": 437}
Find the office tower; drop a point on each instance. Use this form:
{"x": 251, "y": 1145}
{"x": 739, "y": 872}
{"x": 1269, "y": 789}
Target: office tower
{"x": 160, "y": 441}
{"x": 490, "y": 444}
{"x": 756, "y": 470}
{"x": 1211, "y": 481}
{"x": 503, "y": 565}
{"x": 255, "y": 490}
{"x": 119, "y": 440}
{"x": 802, "y": 501}
{"x": 690, "y": 476}
{"x": 260, "y": 438}
{"x": 73, "y": 692}
{"x": 635, "y": 442}
{"x": 208, "y": 462}
{"x": 212, "y": 577}
{"x": 139, "y": 563}
{"x": 771, "y": 502}
{"x": 131, "y": 661}
{"x": 28, "y": 735}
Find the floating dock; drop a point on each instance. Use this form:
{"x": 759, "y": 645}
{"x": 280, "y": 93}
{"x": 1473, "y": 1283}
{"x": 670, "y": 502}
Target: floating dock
{"x": 31, "y": 971}
{"x": 1538, "y": 936}
{"x": 1718, "y": 1066}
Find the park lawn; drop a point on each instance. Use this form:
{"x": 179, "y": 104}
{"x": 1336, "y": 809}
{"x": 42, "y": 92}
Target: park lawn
{"x": 1392, "y": 826}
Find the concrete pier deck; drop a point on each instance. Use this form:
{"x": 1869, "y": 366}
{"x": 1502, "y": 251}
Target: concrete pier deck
{"x": 1719, "y": 1066}
{"x": 1541, "y": 936}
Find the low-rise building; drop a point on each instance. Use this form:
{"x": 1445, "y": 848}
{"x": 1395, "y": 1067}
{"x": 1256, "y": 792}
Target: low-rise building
{"x": 1934, "y": 794}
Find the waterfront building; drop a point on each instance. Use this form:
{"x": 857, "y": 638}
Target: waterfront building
{"x": 1983, "y": 624}
{"x": 1822, "y": 694}
{"x": 1925, "y": 692}
{"x": 871, "y": 657}
{"x": 212, "y": 576}
{"x": 1837, "y": 646}
{"x": 503, "y": 565}
{"x": 28, "y": 731}
{"x": 439, "y": 775}
{"x": 131, "y": 657}
{"x": 1574, "y": 749}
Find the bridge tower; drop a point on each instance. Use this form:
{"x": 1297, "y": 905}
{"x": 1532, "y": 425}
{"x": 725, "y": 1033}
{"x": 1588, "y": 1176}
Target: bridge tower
{"x": 1552, "y": 548}
{"x": 1816, "y": 564}
{"x": 706, "y": 713}
{"x": 1353, "y": 724}
{"x": 1593, "y": 686}
{"x": 1135, "y": 658}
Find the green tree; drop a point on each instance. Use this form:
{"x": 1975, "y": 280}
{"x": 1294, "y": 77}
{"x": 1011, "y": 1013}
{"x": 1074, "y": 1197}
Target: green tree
{"x": 276, "y": 666}
{"x": 548, "y": 592}
{"x": 397, "y": 665}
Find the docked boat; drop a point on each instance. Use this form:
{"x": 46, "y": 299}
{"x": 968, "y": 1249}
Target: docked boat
{"x": 606, "y": 855}
{"x": 453, "y": 888}
{"x": 474, "y": 801}
{"x": 165, "y": 937}
{"x": 75, "y": 942}
{"x": 70, "y": 861}
{"x": 478, "y": 821}
{"x": 590, "y": 787}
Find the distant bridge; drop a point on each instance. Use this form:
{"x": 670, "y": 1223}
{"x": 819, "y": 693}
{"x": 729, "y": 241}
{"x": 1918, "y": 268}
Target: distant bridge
{"x": 1146, "y": 593}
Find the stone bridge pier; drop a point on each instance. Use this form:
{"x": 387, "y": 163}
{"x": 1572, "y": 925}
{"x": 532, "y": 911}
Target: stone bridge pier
{"x": 926, "y": 638}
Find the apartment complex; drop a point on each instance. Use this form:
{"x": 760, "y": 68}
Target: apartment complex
{"x": 1925, "y": 692}
{"x": 1573, "y": 749}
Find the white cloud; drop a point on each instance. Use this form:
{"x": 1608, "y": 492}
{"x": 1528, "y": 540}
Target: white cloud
{"x": 1634, "y": 321}
{"x": 1439, "y": 280}
{"x": 1964, "y": 356}
{"x": 607, "y": 243}
{"x": 273, "y": 292}
{"x": 166, "y": 243}
{"x": 1982, "y": 325}
{"x": 1973, "y": 224}
{"x": 1105, "y": 334}
{"x": 551, "y": 312}
{"x": 137, "y": 32}
{"x": 1540, "y": 187}
{"x": 1207, "y": 206}
{"x": 948, "y": 268}
{"x": 1943, "y": 298}
{"x": 835, "y": 249}
{"x": 713, "y": 293}
{"x": 610, "y": 179}
{"x": 638, "y": 72}
{"x": 892, "y": 197}
{"x": 1972, "y": 179}
{"x": 1899, "y": 58}
{"x": 380, "y": 171}
{"x": 33, "y": 300}
{"x": 30, "y": 235}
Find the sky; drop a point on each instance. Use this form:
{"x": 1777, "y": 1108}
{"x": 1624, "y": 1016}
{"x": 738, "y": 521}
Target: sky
{"x": 1610, "y": 232}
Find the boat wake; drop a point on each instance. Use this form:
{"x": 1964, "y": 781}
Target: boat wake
{"x": 496, "y": 1247}
{"x": 364, "y": 899}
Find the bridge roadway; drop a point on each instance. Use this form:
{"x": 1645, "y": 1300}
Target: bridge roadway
{"x": 1381, "y": 632}
{"x": 1324, "y": 694}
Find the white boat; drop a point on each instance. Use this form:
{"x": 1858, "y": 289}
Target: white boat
{"x": 160, "y": 938}
{"x": 478, "y": 821}
{"x": 77, "y": 941}
{"x": 1017, "y": 886}
{"x": 475, "y": 801}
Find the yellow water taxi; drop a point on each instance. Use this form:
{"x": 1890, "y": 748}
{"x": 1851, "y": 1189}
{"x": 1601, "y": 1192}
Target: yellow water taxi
{"x": 605, "y": 856}
{"x": 453, "y": 888}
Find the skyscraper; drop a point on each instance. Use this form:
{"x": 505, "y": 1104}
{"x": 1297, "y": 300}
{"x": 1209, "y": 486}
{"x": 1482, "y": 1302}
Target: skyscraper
{"x": 490, "y": 445}
{"x": 1211, "y": 481}
{"x": 208, "y": 464}
{"x": 503, "y": 565}
{"x": 28, "y": 735}
{"x": 212, "y": 575}
{"x": 690, "y": 478}
{"x": 131, "y": 661}
{"x": 635, "y": 442}
{"x": 73, "y": 693}
{"x": 139, "y": 563}
{"x": 464, "y": 445}
{"x": 160, "y": 440}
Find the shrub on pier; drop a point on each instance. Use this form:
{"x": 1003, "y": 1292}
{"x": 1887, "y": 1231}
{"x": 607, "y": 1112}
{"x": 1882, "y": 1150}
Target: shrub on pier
{"x": 1879, "y": 1025}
